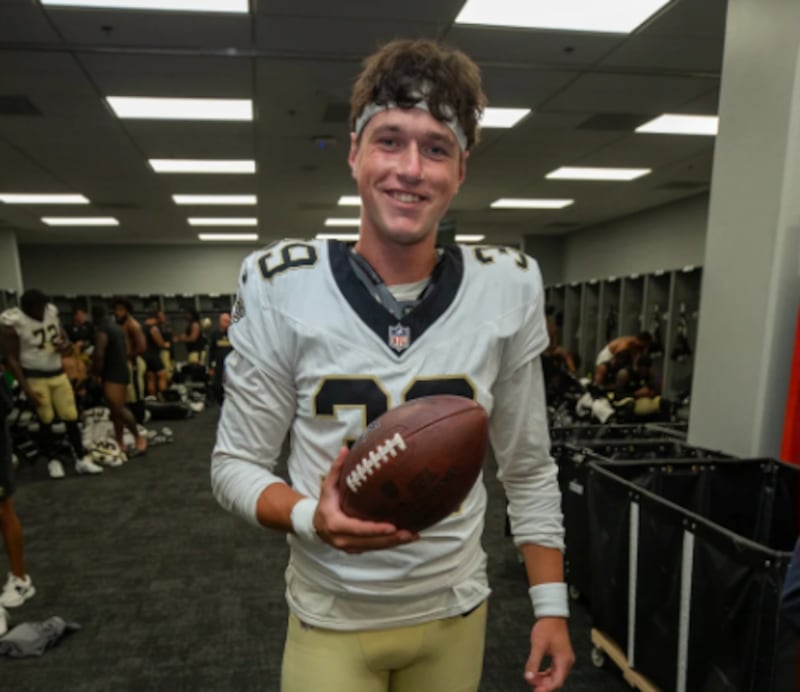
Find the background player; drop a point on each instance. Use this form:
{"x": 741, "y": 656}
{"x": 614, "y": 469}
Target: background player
{"x": 34, "y": 341}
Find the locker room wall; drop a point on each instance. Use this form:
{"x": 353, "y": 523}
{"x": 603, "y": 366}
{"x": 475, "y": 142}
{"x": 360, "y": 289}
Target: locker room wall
{"x": 132, "y": 269}
{"x": 668, "y": 237}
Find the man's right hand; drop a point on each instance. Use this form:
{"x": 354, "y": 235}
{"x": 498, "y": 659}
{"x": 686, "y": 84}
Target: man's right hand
{"x": 346, "y": 533}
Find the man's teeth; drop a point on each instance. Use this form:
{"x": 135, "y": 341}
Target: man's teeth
{"x": 406, "y": 197}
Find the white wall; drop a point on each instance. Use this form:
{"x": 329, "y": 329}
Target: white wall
{"x": 668, "y": 237}
{"x": 131, "y": 269}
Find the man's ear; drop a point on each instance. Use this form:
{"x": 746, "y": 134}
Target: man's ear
{"x": 351, "y": 156}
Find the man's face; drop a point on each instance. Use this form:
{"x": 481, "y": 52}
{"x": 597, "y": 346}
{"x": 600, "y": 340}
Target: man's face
{"x": 408, "y": 167}
{"x": 80, "y": 317}
{"x": 120, "y": 314}
{"x": 224, "y": 322}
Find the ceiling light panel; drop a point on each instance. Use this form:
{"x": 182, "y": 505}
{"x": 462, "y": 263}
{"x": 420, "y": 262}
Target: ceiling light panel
{"x": 213, "y": 221}
{"x": 502, "y": 117}
{"x": 342, "y": 222}
{"x": 80, "y": 221}
{"x": 226, "y": 6}
{"x": 223, "y": 237}
{"x": 587, "y": 173}
{"x": 676, "y": 124}
{"x": 611, "y": 16}
{"x": 201, "y": 200}
{"x": 203, "y": 166}
{"x": 469, "y": 238}
{"x": 147, "y": 108}
{"x": 349, "y": 201}
{"x": 518, "y": 203}
{"x": 35, "y": 198}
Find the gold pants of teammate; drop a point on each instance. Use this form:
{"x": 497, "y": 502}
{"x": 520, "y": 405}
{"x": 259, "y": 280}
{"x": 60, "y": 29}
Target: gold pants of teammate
{"x": 439, "y": 656}
{"x": 135, "y": 390}
{"x": 56, "y": 396}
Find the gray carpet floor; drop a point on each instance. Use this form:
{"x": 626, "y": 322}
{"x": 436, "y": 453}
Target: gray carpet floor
{"x": 174, "y": 594}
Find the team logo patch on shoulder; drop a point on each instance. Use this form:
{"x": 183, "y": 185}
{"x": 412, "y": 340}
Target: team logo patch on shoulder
{"x": 238, "y": 311}
{"x": 399, "y": 337}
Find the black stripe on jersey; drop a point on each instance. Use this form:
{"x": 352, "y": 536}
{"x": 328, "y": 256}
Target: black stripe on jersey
{"x": 446, "y": 280}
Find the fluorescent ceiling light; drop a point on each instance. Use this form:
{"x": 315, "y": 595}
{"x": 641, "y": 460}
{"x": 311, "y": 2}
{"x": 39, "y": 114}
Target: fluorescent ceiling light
{"x": 147, "y": 108}
{"x": 342, "y": 222}
{"x": 469, "y": 238}
{"x": 209, "y": 221}
{"x": 583, "y": 173}
{"x": 228, "y": 6}
{"x": 510, "y": 203}
{"x": 349, "y": 201}
{"x": 80, "y": 221}
{"x": 611, "y": 16}
{"x": 203, "y": 166}
{"x": 502, "y": 117}
{"x": 344, "y": 237}
{"x": 227, "y": 236}
{"x": 235, "y": 200}
{"x": 675, "y": 124}
{"x": 31, "y": 198}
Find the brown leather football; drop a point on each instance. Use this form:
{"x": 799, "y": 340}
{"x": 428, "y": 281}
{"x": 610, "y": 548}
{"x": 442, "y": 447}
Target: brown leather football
{"x": 416, "y": 463}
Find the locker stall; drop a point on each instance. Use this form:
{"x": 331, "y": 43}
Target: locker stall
{"x": 666, "y": 303}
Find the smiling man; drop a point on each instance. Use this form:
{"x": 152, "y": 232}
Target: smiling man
{"x": 328, "y": 337}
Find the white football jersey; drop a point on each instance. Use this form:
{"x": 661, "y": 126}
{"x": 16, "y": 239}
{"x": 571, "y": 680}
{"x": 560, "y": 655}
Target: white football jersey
{"x": 37, "y": 340}
{"x": 338, "y": 359}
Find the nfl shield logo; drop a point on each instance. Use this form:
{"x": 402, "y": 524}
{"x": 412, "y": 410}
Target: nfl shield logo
{"x": 399, "y": 337}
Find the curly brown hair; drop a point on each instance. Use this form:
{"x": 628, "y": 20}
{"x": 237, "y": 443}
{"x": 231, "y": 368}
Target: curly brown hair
{"x": 396, "y": 72}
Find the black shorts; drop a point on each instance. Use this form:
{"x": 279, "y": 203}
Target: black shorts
{"x": 7, "y": 486}
{"x": 116, "y": 372}
{"x": 153, "y": 361}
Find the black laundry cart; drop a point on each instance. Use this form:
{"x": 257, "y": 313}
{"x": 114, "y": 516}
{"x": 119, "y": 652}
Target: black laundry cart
{"x": 687, "y": 560}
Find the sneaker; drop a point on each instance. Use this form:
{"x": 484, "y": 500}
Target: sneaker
{"x": 86, "y": 465}
{"x": 16, "y": 591}
{"x": 3, "y": 621}
{"x": 55, "y": 468}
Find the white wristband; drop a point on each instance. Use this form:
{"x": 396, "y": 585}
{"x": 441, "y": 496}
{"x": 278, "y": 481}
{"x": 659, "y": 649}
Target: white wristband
{"x": 550, "y": 600}
{"x": 302, "y": 518}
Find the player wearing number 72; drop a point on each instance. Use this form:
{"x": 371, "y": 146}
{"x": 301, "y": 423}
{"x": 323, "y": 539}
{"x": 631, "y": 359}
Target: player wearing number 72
{"x": 327, "y": 337}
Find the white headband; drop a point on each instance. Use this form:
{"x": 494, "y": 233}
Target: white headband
{"x": 372, "y": 108}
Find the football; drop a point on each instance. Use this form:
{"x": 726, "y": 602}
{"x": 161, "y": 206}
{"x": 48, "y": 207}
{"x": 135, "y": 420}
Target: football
{"x": 416, "y": 463}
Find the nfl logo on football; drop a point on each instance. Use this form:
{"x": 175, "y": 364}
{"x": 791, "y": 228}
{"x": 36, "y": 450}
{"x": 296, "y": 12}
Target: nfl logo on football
{"x": 399, "y": 337}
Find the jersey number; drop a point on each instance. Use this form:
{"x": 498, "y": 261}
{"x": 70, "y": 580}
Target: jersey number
{"x": 369, "y": 395}
{"x": 47, "y": 335}
{"x": 291, "y": 256}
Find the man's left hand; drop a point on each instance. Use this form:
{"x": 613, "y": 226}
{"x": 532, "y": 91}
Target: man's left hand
{"x": 549, "y": 637}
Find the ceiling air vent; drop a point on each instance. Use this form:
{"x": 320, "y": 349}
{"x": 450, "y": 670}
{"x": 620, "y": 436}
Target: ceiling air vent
{"x": 16, "y": 104}
{"x": 614, "y": 121}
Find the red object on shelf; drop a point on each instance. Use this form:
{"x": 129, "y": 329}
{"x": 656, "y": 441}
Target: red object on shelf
{"x": 790, "y": 448}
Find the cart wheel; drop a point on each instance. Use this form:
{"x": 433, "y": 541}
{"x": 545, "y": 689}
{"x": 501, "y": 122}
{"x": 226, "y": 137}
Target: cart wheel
{"x": 598, "y": 657}
{"x": 574, "y": 592}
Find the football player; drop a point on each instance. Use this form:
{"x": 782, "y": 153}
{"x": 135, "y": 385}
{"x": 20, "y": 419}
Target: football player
{"x": 35, "y": 341}
{"x": 328, "y": 337}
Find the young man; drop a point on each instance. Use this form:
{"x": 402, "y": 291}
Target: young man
{"x": 34, "y": 343}
{"x": 327, "y": 338}
{"x": 157, "y": 375}
{"x": 219, "y": 347}
{"x": 110, "y": 366}
{"x": 18, "y": 587}
{"x": 135, "y": 346}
